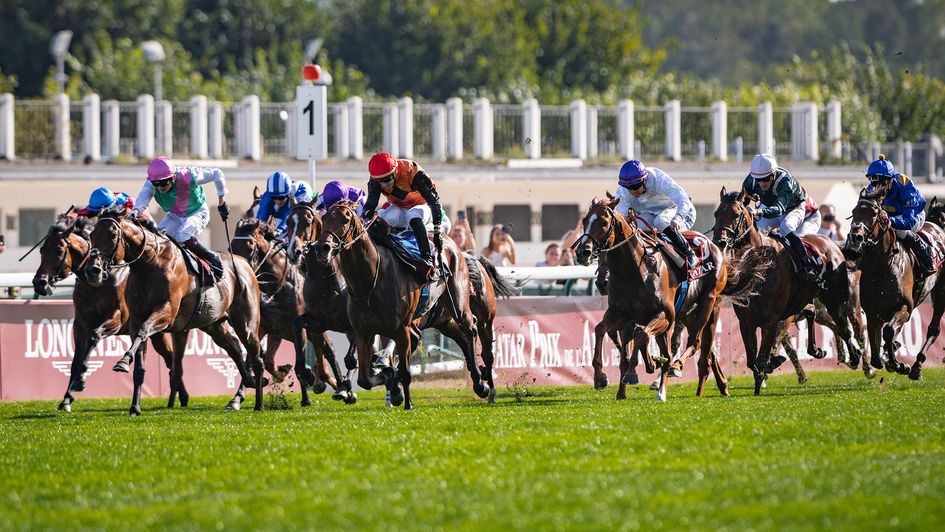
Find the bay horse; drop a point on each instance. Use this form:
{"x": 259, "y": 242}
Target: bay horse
{"x": 283, "y": 302}
{"x": 786, "y": 293}
{"x": 99, "y": 312}
{"x": 642, "y": 291}
{"x": 892, "y": 290}
{"x": 168, "y": 297}
{"x": 384, "y": 298}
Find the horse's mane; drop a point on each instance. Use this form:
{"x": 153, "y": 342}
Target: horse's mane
{"x": 877, "y": 194}
{"x": 79, "y": 224}
{"x": 248, "y": 225}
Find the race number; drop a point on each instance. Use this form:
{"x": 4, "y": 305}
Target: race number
{"x": 311, "y": 119}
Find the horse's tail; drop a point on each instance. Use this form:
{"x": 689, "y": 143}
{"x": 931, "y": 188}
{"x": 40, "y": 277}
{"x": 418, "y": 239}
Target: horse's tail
{"x": 503, "y": 286}
{"x": 746, "y": 273}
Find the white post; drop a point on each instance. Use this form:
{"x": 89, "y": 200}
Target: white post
{"x": 291, "y": 132}
{"x": 91, "y": 127}
{"x": 164, "y": 127}
{"x": 673, "y": 130}
{"x": 439, "y": 133}
{"x": 907, "y": 158}
{"x": 341, "y": 132}
{"x": 531, "y": 126}
{"x": 454, "y": 128}
{"x": 251, "y": 122}
{"x": 592, "y": 132}
{"x": 625, "y": 132}
{"x": 215, "y": 130}
{"x": 7, "y": 130}
{"x": 834, "y": 131}
{"x": 198, "y": 127}
{"x": 111, "y": 136}
{"x": 720, "y": 130}
{"x": 766, "y": 128}
{"x": 405, "y": 126}
{"x": 483, "y": 129}
{"x": 145, "y": 148}
{"x": 804, "y": 131}
{"x": 578, "y": 111}
{"x": 355, "y": 128}
{"x": 63, "y": 142}
{"x": 391, "y": 129}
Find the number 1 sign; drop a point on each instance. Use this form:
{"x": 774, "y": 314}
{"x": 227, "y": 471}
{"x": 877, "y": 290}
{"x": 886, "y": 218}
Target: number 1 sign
{"x": 312, "y": 121}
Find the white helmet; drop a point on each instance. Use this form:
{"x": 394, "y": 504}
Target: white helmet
{"x": 279, "y": 184}
{"x": 763, "y": 165}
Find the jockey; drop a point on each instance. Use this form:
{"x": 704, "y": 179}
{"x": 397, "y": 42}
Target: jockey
{"x": 102, "y": 199}
{"x": 785, "y": 205}
{"x": 414, "y": 202}
{"x": 659, "y": 200}
{"x": 178, "y": 191}
{"x": 336, "y": 191}
{"x": 905, "y": 207}
{"x": 275, "y": 201}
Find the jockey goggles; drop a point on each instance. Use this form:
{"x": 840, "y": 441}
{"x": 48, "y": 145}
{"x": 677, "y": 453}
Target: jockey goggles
{"x": 163, "y": 182}
{"x": 765, "y": 179}
{"x": 280, "y": 197}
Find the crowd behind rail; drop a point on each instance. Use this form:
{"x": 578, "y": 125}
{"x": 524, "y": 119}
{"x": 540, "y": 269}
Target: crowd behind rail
{"x": 372, "y": 263}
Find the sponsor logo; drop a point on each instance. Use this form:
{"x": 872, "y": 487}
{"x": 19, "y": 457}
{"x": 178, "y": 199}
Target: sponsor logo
{"x": 227, "y": 368}
{"x": 65, "y": 367}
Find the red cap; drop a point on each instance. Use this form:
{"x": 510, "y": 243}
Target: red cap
{"x": 381, "y": 165}
{"x": 311, "y": 72}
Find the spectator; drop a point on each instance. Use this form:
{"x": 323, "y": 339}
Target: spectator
{"x": 552, "y": 256}
{"x": 462, "y": 234}
{"x": 3, "y": 244}
{"x": 568, "y": 240}
{"x": 501, "y": 248}
{"x": 829, "y": 226}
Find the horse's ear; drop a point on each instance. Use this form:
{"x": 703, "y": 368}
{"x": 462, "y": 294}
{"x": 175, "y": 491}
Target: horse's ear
{"x": 934, "y": 202}
{"x": 722, "y": 192}
{"x": 613, "y": 203}
{"x": 256, "y": 194}
{"x": 609, "y": 195}
{"x": 293, "y": 201}
{"x": 745, "y": 198}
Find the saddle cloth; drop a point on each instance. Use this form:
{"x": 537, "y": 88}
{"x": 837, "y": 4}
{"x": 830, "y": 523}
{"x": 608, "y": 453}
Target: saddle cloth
{"x": 199, "y": 267}
{"x": 700, "y": 250}
{"x": 815, "y": 256}
{"x": 404, "y": 245}
{"x": 938, "y": 254}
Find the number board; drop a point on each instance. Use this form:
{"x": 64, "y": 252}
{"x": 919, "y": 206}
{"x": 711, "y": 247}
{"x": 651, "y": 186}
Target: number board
{"x": 311, "y": 119}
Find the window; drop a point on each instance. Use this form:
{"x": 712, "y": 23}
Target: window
{"x": 517, "y": 217}
{"x": 556, "y": 220}
{"x": 34, "y": 224}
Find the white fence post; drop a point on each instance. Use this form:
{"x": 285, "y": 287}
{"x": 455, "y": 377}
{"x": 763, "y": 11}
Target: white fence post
{"x": 766, "y": 128}
{"x": 198, "y": 127}
{"x": 592, "y": 150}
{"x": 578, "y": 111}
{"x": 239, "y": 138}
{"x": 7, "y": 130}
{"x": 454, "y": 129}
{"x": 215, "y": 130}
{"x": 145, "y": 148}
{"x": 164, "y": 127}
{"x": 673, "y": 130}
{"x": 720, "y": 130}
{"x": 391, "y": 129}
{"x": 804, "y": 145}
{"x": 291, "y": 147}
{"x": 405, "y": 126}
{"x": 111, "y": 134}
{"x": 484, "y": 132}
{"x": 625, "y": 130}
{"x": 250, "y": 121}
{"x": 91, "y": 127}
{"x": 531, "y": 126}
{"x": 907, "y": 158}
{"x": 439, "y": 133}
{"x": 341, "y": 131}
{"x": 63, "y": 142}
{"x": 356, "y": 127}
{"x": 834, "y": 130}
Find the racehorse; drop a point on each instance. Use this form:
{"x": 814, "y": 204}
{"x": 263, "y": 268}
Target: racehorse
{"x": 785, "y": 293}
{"x": 384, "y": 299}
{"x": 936, "y": 213}
{"x": 99, "y": 312}
{"x": 168, "y": 297}
{"x": 643, "y": 290}
{"x": 893, "y": 290}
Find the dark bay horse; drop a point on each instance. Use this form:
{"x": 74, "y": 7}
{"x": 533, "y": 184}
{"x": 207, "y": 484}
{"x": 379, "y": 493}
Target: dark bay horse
{"x": 786, "y": 293}
{"x": 384, "y": 297}
{"x": 99, "y": 312}
{"x": 167, "y": 297}
{"x": 642, "y": 291}
{"x": 891, "y": 289}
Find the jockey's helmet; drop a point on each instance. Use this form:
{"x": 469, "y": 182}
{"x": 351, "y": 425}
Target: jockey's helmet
{"x": 632, "y": 174}
{"x": 279, "y": 185}
{"x": 334, "y": 192}
{"x": 381, "y": 165}
{"x": 160, "y": 169}
{"x": 881, "y": 170}
{"x": 763, "y": 165}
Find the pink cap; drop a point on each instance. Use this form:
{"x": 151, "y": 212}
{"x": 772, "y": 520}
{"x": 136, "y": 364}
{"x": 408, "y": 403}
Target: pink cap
{"x": 160, "y": 168}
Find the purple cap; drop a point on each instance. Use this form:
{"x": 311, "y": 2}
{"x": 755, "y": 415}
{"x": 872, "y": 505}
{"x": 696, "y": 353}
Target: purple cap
{"x": 631, "y": 173}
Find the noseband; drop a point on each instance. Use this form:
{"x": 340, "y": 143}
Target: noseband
{"x": 109, "y": 261}
{"x": 871, "y": 235}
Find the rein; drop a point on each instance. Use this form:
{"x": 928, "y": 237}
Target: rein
{"x": 341, "y": 246}
{"x": 733, "y": 242}
{"x": 110, "y": 261}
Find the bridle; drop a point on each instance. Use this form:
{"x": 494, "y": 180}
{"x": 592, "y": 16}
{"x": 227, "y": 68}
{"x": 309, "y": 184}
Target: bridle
{"x": 58, "y": 276}
{"x": 598, "y": 246}
{"x": 871, "y": 236}
{"x": 339, "y": 245}
{"x": 744, "y": 218}
{"x": 109, "y": 261}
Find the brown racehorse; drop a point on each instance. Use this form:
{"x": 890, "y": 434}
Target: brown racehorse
{"x": 384, "y": 296}
{"x": 892, "y": 291}
{"x": 99, "y": 312}
{"x": 785, "y": 293}
{"x": 642, "y": 292}
{"x": 167, "y": 297}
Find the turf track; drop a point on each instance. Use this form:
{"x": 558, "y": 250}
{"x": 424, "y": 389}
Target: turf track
{"x": 839, "y": 453}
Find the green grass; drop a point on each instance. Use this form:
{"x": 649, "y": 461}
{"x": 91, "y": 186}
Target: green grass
{"x": 841, "y": 452}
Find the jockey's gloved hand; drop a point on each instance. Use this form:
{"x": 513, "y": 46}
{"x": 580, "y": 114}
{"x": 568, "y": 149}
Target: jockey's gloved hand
{"x": 437, "y": 239}
{"x": 367, "y": 215}
{"x": 224, "y": 211}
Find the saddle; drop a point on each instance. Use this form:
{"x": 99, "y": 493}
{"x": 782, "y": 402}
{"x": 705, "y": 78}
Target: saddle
{"x": 798, "y": 262}
{"x": 700, "y": 250}
{"x": 199, "y": 267}
{"x": 404, "y": 246}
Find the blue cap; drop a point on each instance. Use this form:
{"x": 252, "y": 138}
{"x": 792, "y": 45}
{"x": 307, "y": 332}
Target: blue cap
{"x": 881, "y": 167}
{"x": 278, "y": 184}
{"x": 631, "y": 173}
{"x": 101, "y": 198}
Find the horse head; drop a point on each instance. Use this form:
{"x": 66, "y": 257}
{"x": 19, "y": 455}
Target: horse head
{"x": 936, "y": 212}
{"x": 733, "y": 221}
{"x": 251, "y": 238}
{"x": 63, "y": 250}
{"x": 341, "y": 227}
{"x": 108, "y": 245}
{"x": 869, "y": 222}
{"x": 302, "y": 227}
{"x": 599, "y": 224}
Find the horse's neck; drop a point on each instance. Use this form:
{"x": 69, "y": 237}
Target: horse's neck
{"x": 632, "y": 250}
{"x": 141, "y": 250}
{"x": 359, "y": 266}
{"x": 78, "y": 250}
{"x": 880, "y": 259}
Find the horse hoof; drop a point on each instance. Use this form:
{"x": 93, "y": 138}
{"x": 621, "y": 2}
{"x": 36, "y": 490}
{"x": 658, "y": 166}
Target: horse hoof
{"x": 306, "y": 377}
{"x": 408, "y": 406}
{"x": 481, "y": 389}
{"x": 802, "y": 379}
{"x": 869, "y": 372}
{"x": 338, "y": 396}
{"x": 134, "y": 411}
{"x": 675, "y": 373}
{"x": 184, "y": 401}
{"x": 916, "y": 373}
{"x": 661, "y": 397}
{"x": 621, "y": 396}
{"x": 233, "y": 405}
{"x": 396, "y": 396}
{"x": 64, "y": 407}
{"x": 121, "y": 367}
{"x": 265, "y": 381}
{"x": 491, "y": 394}
{"x": 903, "y": 369}
{"x": 775, "y": 362}
{"x": 249, "y": 382}
{"x": 600, "y": 382}
{"x": 258, "y": 408}
{"x": 817, "y": 353}
{"x": 655, "y": 385}
{"x": 876, "y": 362}
{"x": 319, "y": 388}
{"x": 351, "y": 399}
{"x": 631, "y": 378}
{"x": 306, "y": 402}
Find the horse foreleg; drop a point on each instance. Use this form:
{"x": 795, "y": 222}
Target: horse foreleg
{"x": 625, "y": 364}
{"x": 85, "y": 341}
{"x": 488, "y": 358}
{"x": 367, "y": 379}
{"x": 931, "y": 334}
{"x": 600, "y": 380}
{"x": 662, "y": 341}
{"x": 706, "y": 355}
{"x": 163, "y": 346}
{"x": 891, "y": 345}
{"x": 785, "y": 341}
{"x": 302, "y": 372}
{"x": 812, "y": 349}
{"x": 138, "y": 379}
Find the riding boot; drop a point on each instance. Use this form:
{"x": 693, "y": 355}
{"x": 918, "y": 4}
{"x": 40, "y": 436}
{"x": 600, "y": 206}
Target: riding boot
{"x": 212, "y": 257}
{"x": 807, "y": 263}
{"x": 423, "y": 242}
{"x": 681, "y": 244}
{"x": 922, "y": 252}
